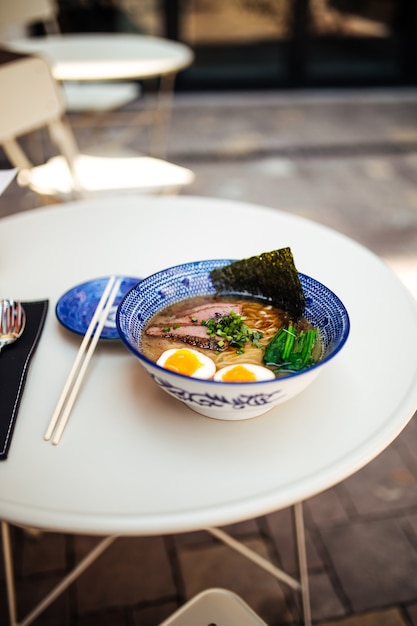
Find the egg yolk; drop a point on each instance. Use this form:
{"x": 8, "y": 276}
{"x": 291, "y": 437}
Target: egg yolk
{"x": 183, "y": 361}
{"x": 239, "y": 374}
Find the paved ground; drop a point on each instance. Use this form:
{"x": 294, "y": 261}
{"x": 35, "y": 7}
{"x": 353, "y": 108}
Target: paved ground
{"x": 349, "y": 161}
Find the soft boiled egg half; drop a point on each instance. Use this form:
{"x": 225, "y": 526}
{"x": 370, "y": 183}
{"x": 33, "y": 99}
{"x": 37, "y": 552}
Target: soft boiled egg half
{"x": 243, "y": 373}
{"x": 188, "y": 362}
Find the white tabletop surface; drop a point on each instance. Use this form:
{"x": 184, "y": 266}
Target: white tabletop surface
{"x": 134, "y": 460}
{"x": 107, "y": 56}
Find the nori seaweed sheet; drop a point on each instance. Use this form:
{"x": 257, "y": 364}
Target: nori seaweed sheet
{"x": 271, "y": 276}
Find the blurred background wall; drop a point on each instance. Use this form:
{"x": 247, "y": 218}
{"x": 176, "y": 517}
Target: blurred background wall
{"x": 270, "y": 44}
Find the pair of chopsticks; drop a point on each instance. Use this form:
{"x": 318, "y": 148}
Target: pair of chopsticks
{"x": 72, "y": 385}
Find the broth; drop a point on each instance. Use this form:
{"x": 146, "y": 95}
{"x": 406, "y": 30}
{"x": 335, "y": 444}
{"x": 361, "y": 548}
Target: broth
{"x": 260, "y": 316}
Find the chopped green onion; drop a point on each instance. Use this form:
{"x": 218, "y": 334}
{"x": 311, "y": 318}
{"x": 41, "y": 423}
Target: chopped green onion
{"x": 232, "y": 329}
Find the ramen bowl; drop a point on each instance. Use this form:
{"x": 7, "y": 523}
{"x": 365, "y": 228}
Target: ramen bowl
{"x": 217, "y": 399}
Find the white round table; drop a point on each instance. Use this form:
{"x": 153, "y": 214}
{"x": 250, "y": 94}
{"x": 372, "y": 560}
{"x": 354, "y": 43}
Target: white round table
{"x": 81, "y": 58}
{"x": 134, "y": 460}
{"x": 116, "y": 56}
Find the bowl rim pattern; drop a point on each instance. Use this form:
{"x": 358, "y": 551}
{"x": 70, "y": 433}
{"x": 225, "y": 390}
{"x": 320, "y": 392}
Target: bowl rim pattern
{"x": 163, "y": 371}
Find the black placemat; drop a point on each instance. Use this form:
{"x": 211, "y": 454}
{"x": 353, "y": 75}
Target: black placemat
{"x": 14, "y": 366}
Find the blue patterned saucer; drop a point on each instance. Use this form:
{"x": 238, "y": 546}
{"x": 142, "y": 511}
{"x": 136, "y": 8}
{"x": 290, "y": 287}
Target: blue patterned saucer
{"x": 76, "y": 307}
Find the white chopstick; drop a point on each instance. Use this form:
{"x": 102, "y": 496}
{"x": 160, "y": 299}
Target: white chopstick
{"x": 92, "y": 334}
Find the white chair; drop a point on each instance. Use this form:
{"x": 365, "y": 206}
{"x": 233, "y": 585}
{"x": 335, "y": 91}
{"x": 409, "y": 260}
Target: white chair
{"x": 32, "y": 100}
{"x": 79, "y": 96}
{"x": 214, "y": 607}
{"x": 100, "y": 71}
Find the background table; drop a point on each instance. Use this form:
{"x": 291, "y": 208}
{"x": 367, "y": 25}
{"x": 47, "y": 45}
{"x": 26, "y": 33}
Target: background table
{"x": 135, "y": 461}
{"x": 116, "y": 57}
{"x": 113, "y": 56}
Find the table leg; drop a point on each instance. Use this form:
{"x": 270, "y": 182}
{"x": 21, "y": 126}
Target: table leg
{"x": 302, "y": 561}
{"x": 302, "y": 585}
{"x": 57, "y": 590}
{"x": 159, "y": 134}
{"x": 255, "y": 558}
{"x": 155, "y": 117}
{"x": 8, "y": 570}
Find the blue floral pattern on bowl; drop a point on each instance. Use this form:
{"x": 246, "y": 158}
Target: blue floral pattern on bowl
{"x": 217, "y": 400}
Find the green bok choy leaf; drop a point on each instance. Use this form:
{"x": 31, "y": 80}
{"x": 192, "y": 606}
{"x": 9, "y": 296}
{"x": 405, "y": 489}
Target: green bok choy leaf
{"x": 292, "y": 349}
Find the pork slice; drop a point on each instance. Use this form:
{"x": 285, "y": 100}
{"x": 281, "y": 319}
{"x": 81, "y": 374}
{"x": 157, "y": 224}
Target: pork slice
{"x": 170, "y": 331}
{"x": 204, "y": 312}
{"x": 191, "y": 334}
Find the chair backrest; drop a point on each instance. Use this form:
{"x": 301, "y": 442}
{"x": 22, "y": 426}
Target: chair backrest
{"x": 26, "y": 11}
{"x": 215, "y": 607}
{"x": 31, "y": 100}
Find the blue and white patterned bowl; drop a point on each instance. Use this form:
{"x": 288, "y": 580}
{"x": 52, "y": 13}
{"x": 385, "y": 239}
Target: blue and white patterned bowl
{"x": 220, "y": 400}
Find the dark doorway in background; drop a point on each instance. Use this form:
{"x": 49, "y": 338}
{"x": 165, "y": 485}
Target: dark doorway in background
{"x": 249, "y": 44}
